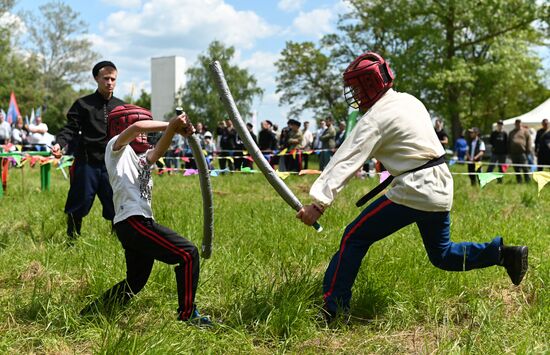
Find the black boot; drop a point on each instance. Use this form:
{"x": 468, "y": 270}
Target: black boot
{"x": 73, "y": 226}
{"x": 514, "y": 260}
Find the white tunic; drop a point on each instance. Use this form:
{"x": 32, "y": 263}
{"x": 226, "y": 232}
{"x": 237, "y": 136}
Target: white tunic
{"x": 130, "y": 178}
{"x": 398, "y": 132}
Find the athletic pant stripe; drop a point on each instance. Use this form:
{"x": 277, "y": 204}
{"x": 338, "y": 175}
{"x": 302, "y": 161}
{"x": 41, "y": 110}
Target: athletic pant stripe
{"x": 188, "y": 261}
{"x": 346, "y": 237}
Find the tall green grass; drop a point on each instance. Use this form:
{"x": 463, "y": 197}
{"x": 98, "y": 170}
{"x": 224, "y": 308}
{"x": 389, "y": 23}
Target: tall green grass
{"x": 263, "y": 283}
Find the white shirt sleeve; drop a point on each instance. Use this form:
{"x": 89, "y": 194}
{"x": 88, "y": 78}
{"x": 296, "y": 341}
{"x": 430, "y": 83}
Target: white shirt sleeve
{"x": 348, "y": 159}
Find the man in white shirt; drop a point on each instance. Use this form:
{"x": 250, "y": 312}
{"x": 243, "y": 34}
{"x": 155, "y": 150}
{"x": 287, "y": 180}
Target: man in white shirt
{"x": 5, "y": 130}
{"x": 307, "y": 143}
{"x": 38, "y": 134}
{"x": 396, "y": 130}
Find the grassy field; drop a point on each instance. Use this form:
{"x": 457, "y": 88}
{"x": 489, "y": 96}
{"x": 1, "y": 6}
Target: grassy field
{"x": 263, "y": 282}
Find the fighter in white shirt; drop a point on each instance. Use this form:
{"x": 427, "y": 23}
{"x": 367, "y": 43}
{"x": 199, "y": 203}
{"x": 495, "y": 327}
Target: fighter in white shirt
{"x": 129, "y": 159}
{"x": 396, "y": 130}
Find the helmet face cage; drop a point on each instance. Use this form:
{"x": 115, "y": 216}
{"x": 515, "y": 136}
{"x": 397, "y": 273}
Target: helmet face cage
{"x": 122, "y": 117}
{"x": 366, "y": 79}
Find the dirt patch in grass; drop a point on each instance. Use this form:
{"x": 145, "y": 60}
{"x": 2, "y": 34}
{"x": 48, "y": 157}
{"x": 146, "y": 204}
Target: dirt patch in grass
{"x": 33, "y": 271}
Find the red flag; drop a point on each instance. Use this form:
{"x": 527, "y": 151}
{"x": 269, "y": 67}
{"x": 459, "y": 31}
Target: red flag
{"x": 13, "y": 110}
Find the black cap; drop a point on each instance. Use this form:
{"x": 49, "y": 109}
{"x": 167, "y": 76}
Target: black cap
{"x": 100, "y": 65}
{"x": 294, "y": 122}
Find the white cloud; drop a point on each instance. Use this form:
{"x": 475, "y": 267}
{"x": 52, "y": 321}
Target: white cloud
{"x": 186, "y": 24}
{"x": 261, "y": 64}
{"x": 131, "y": 37}
{"x": 315, "y": 23}
{"x": 125, "y": 4}
{"x": 290, "y": 5}
{"x": 15, "y": 24}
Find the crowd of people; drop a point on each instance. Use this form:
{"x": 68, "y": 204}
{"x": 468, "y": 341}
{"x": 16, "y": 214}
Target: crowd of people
{"x": 516, "y": 147}
{"x": 287, "y": 149}
{"x": 25, "y": 136}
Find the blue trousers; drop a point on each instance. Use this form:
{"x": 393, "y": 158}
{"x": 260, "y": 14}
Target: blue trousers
{"x": 384, "y": 217}
{"x": 87, "y": 181}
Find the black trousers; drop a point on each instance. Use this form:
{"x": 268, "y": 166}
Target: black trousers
{"x": 87, "y": 181}
{"x": 145, "y": 241}
{"x": 472, "y": 169}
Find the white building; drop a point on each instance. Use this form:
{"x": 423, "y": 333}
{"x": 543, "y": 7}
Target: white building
{"x": 167, "y": 77}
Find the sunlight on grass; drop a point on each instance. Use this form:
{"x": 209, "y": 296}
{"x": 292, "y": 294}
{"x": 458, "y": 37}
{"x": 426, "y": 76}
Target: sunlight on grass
{"x": 263, "y": 283}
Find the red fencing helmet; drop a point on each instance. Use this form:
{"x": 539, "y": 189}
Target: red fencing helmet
{"x": 122, "y": 117}
{"x": 366, "y": 79}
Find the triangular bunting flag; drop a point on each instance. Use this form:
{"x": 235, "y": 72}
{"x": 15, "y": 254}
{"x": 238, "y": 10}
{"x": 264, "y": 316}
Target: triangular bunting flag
{"x": 282, "y": 174}
{"x": 542, "y": 178}
{"x": 478, "y": 165}
{"x": 485, "y": 178}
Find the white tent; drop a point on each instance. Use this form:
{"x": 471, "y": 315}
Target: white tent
{"x": 532, "y": 119}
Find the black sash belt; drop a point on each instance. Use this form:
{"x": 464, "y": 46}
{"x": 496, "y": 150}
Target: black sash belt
{"x": 385, "y": 183}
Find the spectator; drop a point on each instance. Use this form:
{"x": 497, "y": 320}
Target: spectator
{"x": 341, "y": 134}
{"x": 228, "y": 143}
{"x": 39, "y": 136}
{"x": 19, "y": 134}
{"x": 247, "y": 160}
{"x": 476, "y": 149}
{"x": 199, "y": 132}
{"x": 294, "y": 141}
{"x": 283, "y": 144}
{"x": 277, "y": 133}
{"x": 542, "y": 145}
{"x": 307, "y": 143}
{"x": 441, "y": 134}
{"x": 499, "y": 148}
{"x": 86, "y": 134}
{"x": 519, "y": 145}
{"x": 210, "y": 149}
{"x": 327, "y": 144}
{"x": 461, "y": 147}
{"x": 175, "y": 153}
{"x": 219, "y": 133}
{"x": 267, "y": 141}
{"x": 317, "y": 144}
{"x": 5, "y": 130}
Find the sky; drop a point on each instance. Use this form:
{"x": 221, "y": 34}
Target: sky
{"x": 131, "y": 32}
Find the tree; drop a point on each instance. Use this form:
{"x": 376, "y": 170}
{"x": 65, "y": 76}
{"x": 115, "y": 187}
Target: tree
{"x": 63, "y": 54}
{"x": 144, "y": 99}
{"x": 200, "y": 98}
{"x": 19, "y": 73}
{"x": 309, "y": 79}
{"x": 470, "y": 63}
{"x": 57, "y": 37}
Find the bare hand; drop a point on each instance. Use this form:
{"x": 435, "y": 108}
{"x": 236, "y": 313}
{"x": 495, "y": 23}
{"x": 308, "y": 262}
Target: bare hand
{"x": 183, "y": 125}
{"x": 309, "y": 214}
{"x": 56, "y": 151}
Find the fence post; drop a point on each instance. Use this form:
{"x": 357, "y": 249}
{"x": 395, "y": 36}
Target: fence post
{"x": 45, "y": 177}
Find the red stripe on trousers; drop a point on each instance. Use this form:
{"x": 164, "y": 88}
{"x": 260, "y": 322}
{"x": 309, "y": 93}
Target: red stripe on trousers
{"x": 346, "y": 237}
{"x": 185, "y": 255}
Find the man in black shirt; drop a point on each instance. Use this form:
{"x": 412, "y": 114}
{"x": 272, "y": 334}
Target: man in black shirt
{"x": 542, "y": 145}
{"x": 499, "y": 148}
{"x": 85, "y": 136}
{"x": 441, "y": 134}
